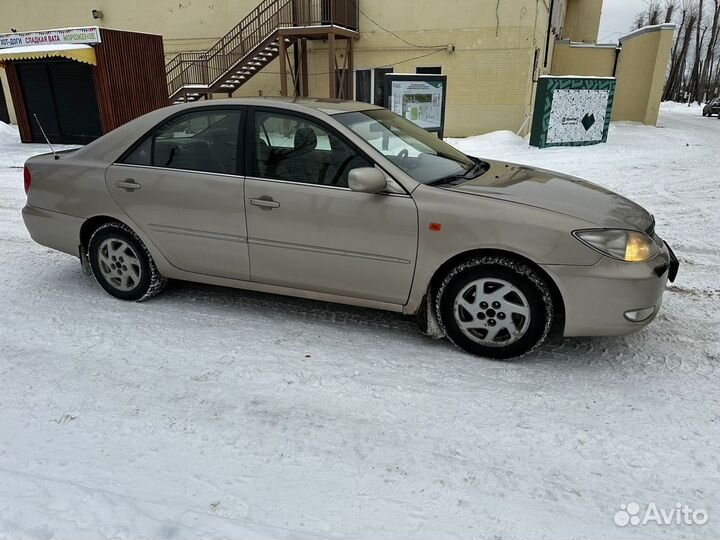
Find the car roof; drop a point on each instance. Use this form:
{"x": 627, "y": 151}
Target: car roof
{"x": 110, "y": 146}
{"x": 328, "y": 106}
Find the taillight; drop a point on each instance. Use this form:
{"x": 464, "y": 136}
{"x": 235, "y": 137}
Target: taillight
{"x": 28, "y": 179}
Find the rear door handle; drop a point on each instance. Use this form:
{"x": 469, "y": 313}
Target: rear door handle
{"x": 128, "y": 185}
{"x": 266, "y": 203}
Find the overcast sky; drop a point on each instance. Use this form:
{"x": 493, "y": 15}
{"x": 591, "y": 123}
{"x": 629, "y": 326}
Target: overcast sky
{"x": 617, "y": 18}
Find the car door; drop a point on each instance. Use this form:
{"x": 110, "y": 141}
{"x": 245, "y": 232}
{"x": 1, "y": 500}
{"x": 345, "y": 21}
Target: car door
{"x": 182, "y": 185}
{"x": 307, "y": 229}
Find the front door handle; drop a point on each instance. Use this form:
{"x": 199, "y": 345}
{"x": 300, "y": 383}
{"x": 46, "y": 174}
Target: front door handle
{"x": 128, "y": 185}
{"x": 266, "y": 203}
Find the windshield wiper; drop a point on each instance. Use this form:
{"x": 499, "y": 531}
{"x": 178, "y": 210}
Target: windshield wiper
{"x": 474, "y": 171}
{"x": 447, "y": 179}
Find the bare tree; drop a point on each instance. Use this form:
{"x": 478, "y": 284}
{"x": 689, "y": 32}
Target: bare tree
{"x": 699, "y": 36}
{"x": 639, "y": 21}
{"x": 676, "y": 82}
{"x": 694, "y": 69}
{"x": 670, "y": 7}
{"x": 650, "y": 16}
{"x": 654, "y": 13}
{"x": 706, "y": 71}
{"x": 670, "y": 90}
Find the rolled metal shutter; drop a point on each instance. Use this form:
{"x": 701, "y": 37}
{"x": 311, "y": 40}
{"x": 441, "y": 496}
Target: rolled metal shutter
{"x": 77, "y": 107}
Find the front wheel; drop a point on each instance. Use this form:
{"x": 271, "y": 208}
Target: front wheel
{"x": 495, "y": 306}
{"x": 122, "y": 264}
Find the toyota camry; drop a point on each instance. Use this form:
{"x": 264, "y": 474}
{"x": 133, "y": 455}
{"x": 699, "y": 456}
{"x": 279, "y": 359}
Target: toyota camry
{"x": 348, "y": 202}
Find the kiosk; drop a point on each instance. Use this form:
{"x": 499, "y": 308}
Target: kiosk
{"x": 79, "y": 83}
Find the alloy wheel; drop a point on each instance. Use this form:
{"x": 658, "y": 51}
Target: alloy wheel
{"x": 492, "y": 312}
{"x": 119, "y": 264}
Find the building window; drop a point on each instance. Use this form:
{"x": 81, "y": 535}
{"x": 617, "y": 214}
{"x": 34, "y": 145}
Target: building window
{"x": 369, "y": 85}
{"x": 379, "y": 97}
{"x": 363, "y": 85}
{"x": 429, "y": 70}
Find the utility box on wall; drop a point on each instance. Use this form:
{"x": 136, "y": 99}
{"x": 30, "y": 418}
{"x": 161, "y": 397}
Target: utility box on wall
{"x": 572, "y": 111}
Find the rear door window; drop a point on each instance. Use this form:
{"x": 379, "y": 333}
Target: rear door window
{"x": 205, "y": 140}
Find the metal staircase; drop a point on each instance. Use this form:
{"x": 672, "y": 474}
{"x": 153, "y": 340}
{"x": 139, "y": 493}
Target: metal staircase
{"x": 266, "y": 33}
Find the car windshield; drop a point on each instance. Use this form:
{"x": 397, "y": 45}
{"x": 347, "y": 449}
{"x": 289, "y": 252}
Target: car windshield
{"x": 422, "y": 155}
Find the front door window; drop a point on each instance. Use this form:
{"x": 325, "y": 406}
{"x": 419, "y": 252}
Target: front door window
{"x": 297, "y": 149}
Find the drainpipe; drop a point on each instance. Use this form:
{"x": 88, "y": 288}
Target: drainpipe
{"x": 618, "y": 49}
{"x": 549, "y": 31}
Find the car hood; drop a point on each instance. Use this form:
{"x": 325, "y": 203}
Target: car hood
{"x": 558, "y": 193}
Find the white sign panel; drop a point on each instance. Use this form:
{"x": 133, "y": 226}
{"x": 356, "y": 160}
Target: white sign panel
{"x": 577, "y": 116}
{"x": 418, "y": 101}
{"x": 85, "y": 35}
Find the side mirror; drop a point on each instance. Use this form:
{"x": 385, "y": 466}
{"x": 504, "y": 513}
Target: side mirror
{"x": 367, "y": 180}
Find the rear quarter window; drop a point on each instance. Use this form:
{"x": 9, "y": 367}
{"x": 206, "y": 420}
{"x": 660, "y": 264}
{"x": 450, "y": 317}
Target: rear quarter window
{"x": 142, "y": 155}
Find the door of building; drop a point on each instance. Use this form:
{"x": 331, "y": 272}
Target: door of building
{"x": 62, "y": 95}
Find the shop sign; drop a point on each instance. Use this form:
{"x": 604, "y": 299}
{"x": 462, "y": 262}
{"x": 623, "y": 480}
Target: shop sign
{"x": 87, "y": 35}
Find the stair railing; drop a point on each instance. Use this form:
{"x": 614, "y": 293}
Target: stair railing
{"x": 256, "y": 28}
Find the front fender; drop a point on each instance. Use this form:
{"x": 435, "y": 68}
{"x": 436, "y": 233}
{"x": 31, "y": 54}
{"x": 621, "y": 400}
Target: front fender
{"x": 469, "y": 223}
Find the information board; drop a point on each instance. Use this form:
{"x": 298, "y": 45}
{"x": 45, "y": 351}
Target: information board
{"x": 419, "y": 98}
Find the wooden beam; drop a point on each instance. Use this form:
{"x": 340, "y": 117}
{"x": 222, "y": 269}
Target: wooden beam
{"x": 304, "y": 62}
{"x": 350, "y": 67}
{"x": 18, "y": 99}
{"x": 320, "y": 32}
{"x": 296, "y": 68}
{"x": 331, "y": 65}
{"x": 283, "y": 65}
{"x": 293, "y": 70}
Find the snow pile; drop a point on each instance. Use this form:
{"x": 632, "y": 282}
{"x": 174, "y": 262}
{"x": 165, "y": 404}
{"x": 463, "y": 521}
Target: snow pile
{"x": 14, "y": 153}
{"x": 8, "y": 133}
{"x": 676, "y": 107}
{"x": 215, "y": 413}
{"x": 489, "y": 143}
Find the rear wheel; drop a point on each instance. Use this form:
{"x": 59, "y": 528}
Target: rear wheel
{"x": 495, "y": 306}
{"x": 122, "y": 264}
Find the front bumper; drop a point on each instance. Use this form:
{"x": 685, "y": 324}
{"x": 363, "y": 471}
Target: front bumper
{"x": 602, "y": 299}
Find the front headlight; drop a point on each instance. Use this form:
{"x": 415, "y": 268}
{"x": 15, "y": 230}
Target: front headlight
{"x": 629, "y": 246}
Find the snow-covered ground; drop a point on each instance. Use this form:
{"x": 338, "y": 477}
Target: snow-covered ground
{"x": 216, "y": 413}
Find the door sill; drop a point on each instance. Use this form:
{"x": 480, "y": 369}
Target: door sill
{"x": 284, "y": 291}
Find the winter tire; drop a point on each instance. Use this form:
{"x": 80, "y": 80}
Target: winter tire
{"x": 122, "y": 264}
{"x": 494, "y": 306}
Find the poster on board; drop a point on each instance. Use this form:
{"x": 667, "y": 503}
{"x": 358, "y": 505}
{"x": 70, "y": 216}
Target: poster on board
{"x": 419, "y": 98}
{"x": 572, "y": 111}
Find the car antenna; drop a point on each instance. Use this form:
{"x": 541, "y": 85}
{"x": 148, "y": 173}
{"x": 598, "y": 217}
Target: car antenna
{"x": 46, "y": 137}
